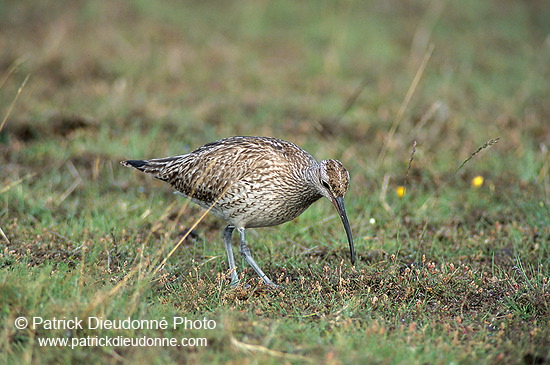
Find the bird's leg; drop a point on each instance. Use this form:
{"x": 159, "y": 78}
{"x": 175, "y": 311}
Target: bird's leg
{"x": 245, "y": 251}
{"x": 227, "y": 233}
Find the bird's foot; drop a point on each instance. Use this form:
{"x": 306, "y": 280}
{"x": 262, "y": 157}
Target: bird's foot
{"x": 274, "y": 286}
{"x": 268, "y": 284}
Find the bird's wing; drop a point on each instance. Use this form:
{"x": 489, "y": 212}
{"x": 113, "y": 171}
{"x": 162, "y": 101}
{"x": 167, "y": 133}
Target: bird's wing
{"x": 208, "y": 172}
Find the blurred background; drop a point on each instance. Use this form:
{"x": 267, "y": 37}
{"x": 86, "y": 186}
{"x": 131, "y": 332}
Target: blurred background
{"x": 199, "y": 70}
{"x": 359, "y": 81}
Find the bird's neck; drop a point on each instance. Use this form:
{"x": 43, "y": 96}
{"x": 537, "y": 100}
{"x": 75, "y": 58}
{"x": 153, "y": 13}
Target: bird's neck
{"x": 311, "y": 174}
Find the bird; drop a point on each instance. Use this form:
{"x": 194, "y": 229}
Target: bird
{"x": 252, "y": 182}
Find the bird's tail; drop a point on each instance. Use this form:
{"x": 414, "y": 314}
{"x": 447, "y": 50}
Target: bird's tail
{"x": 159, "y": 168}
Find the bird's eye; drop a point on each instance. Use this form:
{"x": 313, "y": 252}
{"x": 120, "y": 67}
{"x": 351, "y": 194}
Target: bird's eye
{"x": 325, "y": 184}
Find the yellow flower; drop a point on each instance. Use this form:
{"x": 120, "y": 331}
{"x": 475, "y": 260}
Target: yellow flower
{"x": 401, "y": 191}
{"x": 477, "y": 181}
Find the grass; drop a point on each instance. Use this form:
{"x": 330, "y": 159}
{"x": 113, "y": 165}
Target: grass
{"x": 446, "y": 273}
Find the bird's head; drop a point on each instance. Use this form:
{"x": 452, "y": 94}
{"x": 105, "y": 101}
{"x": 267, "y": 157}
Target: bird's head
{"x": 333, "y": 184}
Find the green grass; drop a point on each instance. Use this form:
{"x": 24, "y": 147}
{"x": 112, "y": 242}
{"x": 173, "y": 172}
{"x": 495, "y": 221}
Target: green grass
{"x": 447, "y": 273}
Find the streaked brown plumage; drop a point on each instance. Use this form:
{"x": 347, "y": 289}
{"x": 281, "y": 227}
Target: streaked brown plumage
{"x": 252, "y": 182}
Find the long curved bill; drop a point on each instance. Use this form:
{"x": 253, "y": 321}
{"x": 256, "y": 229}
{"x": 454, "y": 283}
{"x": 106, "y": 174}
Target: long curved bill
{"x": 338, "y": 203}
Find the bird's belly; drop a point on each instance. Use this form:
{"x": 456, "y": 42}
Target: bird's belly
{"x": 268, "y": 217}
{"x": 255, "y": 216}
{"x": 264, "y": 211}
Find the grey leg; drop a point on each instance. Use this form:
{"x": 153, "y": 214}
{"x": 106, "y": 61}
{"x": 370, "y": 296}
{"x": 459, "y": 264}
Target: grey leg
{"x": 245, "y": 251}
{"x": 227, "y": 233}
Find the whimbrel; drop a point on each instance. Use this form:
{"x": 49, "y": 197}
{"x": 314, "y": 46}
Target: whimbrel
{"x": 252, "y": 182}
